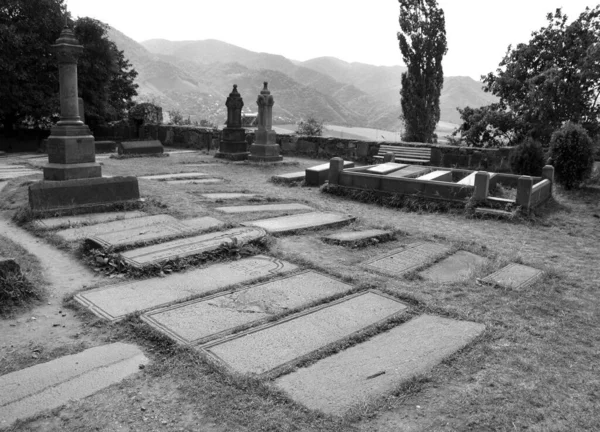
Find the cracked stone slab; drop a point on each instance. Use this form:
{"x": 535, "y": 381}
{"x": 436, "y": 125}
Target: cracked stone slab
{"x": 457, "y": 267}
{"x": 378, "y": 366}
{"x": 351, "y": 237}
{"x": 178, "y": 176}
{"x": 114, "y": 302}
{"x": 45, "y": 386}
{"x": 85, "y": 219}
{"x": 514, "y": 276}
{"x": 302, "y": 221}
{"x": 273, "y": 346}
{"x": 264, "y": 208}
{"x": 200, "y": 321}
{"x": 408, "y": 258}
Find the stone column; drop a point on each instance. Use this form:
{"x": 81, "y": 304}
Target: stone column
{"x": 482, "y": 185}
{"x": 265, "y": 147}
{"x": 548, "y": 174}
{"x": 233, "y": 138}
{"x": 524, "y": 185}
{"x": 336, "y": 166}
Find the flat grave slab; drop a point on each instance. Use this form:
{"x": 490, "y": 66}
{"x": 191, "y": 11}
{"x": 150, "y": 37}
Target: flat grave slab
{"x": 470, "y": 179}
{"x": 45, "y": 386}
{"x": 196, "y": 181}
{"x": 378, "y": 366}
{"x": 264, "y": 349}
{"x": 386, "y": 168}
{"x": 177, "y": 176}
{"x": 316, "y": 176}
{"x": 228, "y": 196}
{"x": 151, "y": 233}
{"x": 349, "y": 238}
{"x": 85, "y": 219}
{"x": 73, "y": 234}
{"x": 200, "y": 321}
{"x": 410, "y": 171}
{"x": 264, "y": 208}
{"x": 11, "y": 174}
{"x": 513, "y": 276}
{"x": 455, "y": 268}
{"x": 116, "y": 301}
{"x": 289, "y": 177}
{"x": 400, "y": 261}
{"x": 189, "y": 246}
{"x": 445, "y": 176}
{"x": 302, "y": 221}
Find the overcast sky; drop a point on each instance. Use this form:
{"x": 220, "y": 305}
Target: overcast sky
{"x": 478, "y": 31}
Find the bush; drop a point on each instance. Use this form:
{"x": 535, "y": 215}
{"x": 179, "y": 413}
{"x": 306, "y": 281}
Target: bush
{"x": 572, "y": 154}
{"x": 15, "y": 291}
{"x": 527, "y": 158}
{"x": 310, "y": 127}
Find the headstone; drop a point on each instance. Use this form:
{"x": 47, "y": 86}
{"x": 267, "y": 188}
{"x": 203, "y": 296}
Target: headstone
{"x": 455, "y": 268}
{"x": 411, "y": 257}
{"x": 233, "y": 144}
{"x": 199, "y": 321}
{"x": 386, "y": 168}
{"x": 46, "y": 386}
{"x": 116, "y": 301}
{"x": 196, "y": 181}
{"x": 189, "y": 246}
{"x": 350, "y": 238}
{"x": 410, "y": 171}
{"x": 316, "y": 176}
{"x": 8, "y": 265}
{"x": 378, "y": 366}
{"x": 445, "y": 176}
{"x": 272, "y": 346}
{"x": 265, "y": 147}
{"x": 228, "y": 196}
{"x": 286, "y": 224}
{"x": 294, "y": 177}
{"x": 263, "y": 208}
{"x": 140, "y": 147}
{"x": 178, "y": 176}
{"x": 87, "y": 219}
{"x": 152, "y": 233}
{"x": 514, "y": 276}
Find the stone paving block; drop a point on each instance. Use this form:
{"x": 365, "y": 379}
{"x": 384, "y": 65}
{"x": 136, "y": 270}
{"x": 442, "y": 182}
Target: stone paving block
{"x": 349, "y": 238}
{"x": 115, "y": 301}
{"x": 410, "y": 171}
{"x": 272, "y": 346}
{"x": 196, "y": 181}
{"x": 386, "y": 168}
{"x": 263, "y": 208}
{"x": 200, "y": 321}
{"x": 33, "y": 390}
{"x": 514, "y": 276}
{"x": 189, "y": 246}
{"x": 408, "y": 258}
{"x": 378, "y": 366}
{"x": 455, "y": 268}
{"x": 228, "y": 196}
{"x": 85, "y": 219}
{"x": 177, "y": 176}
{"x": 302, "y": 221}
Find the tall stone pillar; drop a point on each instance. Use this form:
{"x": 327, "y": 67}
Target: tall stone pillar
{"x": 265, "y": 147}
{"x": 233, "y": 137}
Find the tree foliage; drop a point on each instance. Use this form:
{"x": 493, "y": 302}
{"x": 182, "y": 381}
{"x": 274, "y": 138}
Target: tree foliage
{"x": 572, "y": 154}
{"x": 310, "y": 127}
{"x": 527, "y": 158}
{"x": 423, "y": 45}
{"x": 489, "y": 126}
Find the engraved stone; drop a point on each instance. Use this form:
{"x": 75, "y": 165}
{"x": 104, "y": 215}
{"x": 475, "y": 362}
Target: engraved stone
{"x": 352, "y": 237}
{"x": 300, "y": 222}
{"x": 386, "y": 168}
{"x": 86, "y": 219}
{"x": 456, "y": 267}
{"x": 410, "y": 257}
{"x": 263, "y": 208}
{"x": 514, "y": 276}
{"x": 206, "y": 319}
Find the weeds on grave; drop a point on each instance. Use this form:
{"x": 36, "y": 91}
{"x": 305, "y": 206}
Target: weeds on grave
{"x": 16, "y": 291}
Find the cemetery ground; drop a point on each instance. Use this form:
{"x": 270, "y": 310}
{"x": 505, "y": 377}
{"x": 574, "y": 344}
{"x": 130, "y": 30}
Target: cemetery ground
{"x": 534, "y": 367}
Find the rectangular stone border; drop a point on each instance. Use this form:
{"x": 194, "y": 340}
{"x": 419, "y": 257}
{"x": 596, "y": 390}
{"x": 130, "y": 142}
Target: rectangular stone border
{"x": 489, "y": 279}
{"x": 366, "y": 264}
{"x": 279, "y": 370}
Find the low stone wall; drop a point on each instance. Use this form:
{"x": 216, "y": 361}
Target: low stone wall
{"x": 484, "y": 159}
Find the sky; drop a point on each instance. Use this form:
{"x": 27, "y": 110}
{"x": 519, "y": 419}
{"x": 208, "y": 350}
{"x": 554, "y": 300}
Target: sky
{"x": 478, "y": 31}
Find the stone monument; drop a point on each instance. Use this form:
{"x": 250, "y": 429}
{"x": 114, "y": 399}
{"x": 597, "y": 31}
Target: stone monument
{"x": 233, "y": 137}
{"x": 72, "y": 177}
{"x": 265, "y": 147}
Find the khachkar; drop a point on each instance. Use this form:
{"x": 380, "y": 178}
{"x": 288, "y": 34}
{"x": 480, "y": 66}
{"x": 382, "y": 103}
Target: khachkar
{"x": 265, "y": 147}
{"x": 233, "y": 138}
{"x": 72, "y": 178}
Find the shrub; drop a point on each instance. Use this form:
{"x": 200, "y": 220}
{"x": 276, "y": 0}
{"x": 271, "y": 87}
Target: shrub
{"x": 15, "y": 291}
{"x": 572, "y": 154}
{"x": 310, "y": 127}
{"x": 527, "y": 158}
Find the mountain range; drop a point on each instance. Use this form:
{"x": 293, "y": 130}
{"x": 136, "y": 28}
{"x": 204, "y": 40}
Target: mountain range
{"x": 195, "y": 77}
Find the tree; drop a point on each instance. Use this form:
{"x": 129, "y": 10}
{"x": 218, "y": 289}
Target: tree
{"x": 489, "y": 126}
{"x": 423, "y": 45}
{"x": 310, "y": 127}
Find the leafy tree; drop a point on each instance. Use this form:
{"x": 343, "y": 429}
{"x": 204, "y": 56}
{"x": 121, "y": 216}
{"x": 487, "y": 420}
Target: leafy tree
{"x": 175, "y": 117}
{"x": 310, "y": 127}
{"x": 489, "y": 126}
{"x": 423, "y": 45}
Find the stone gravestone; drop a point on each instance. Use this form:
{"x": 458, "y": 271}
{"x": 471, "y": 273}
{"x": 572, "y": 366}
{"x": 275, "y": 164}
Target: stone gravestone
{"x": 265, "y": 147}
{"x": 233, "y": 137}
{"x": 513, "y": 276}
{"x": 411, "y": 257}
{"x": 72, "y": 177}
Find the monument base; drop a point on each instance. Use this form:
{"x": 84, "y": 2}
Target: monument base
{"x": 82, "y": 195}
{"x": 232, "y": 156}
{"x": 265, "y": 153}
{"x": 254, "y": 158}
{"x": 233, "y": 150}
{"x": 61, "y": 172}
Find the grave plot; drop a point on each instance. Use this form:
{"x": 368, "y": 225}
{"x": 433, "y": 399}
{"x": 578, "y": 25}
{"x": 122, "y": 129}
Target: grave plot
{"x": 116, "y": 301}
{"x": 263, "y": 208}
{"x": 200, "y": 321}
{"x": 513, "y": 276}
{"x": 455, "y": 268}
{"x": 378, "y": 366}
{"x": 273, "y": 346}
{"x": 85, "y": 219}
{"x": 286, "y": 224}
{"x": 353, "y": 238}
{"x": 408, "y": 258}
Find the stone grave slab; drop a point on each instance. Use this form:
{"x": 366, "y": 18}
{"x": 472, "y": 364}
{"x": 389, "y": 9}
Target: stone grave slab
{"x": 410, "y": 171}
{"x": 45, "y": 386}
{"x": 302, "y": 221}
{"x": 228, "y": 196}
{"x": 73, "y": 234}
{"x": 178, "y": 176}
{"x": 378, "y": 366}
{"x": 200, "y": 321}
{"x": 514, "y": 276}
{"x": 289, "y": 177}
{"x": 196, "y": 181}
{"x": 85, "y": 219}
{"x": 470, "y": 179}
{"x": 263, "y": 208}
{"x": 386, "y": 168}
{"x": 445, "y": 176}
{"x": 152, "y": 233}
{"x": 189, "y": 246}
{"x": 116, "y": 301}
{"x": 403, "y": 260}
{"x": 349, "y": 238}
{"x": 266, "y": 348}
{"x": 455, "y": 268}
{"x": 316, "y": 176}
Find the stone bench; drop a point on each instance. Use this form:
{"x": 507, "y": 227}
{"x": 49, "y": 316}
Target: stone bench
{"x": 141, "y": 147}
{"x": 412, "y": 155}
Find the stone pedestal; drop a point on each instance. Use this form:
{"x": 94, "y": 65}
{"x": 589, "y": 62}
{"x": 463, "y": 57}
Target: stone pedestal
{"x": 233, "y": 137}
{"x": 265, "y": 147}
